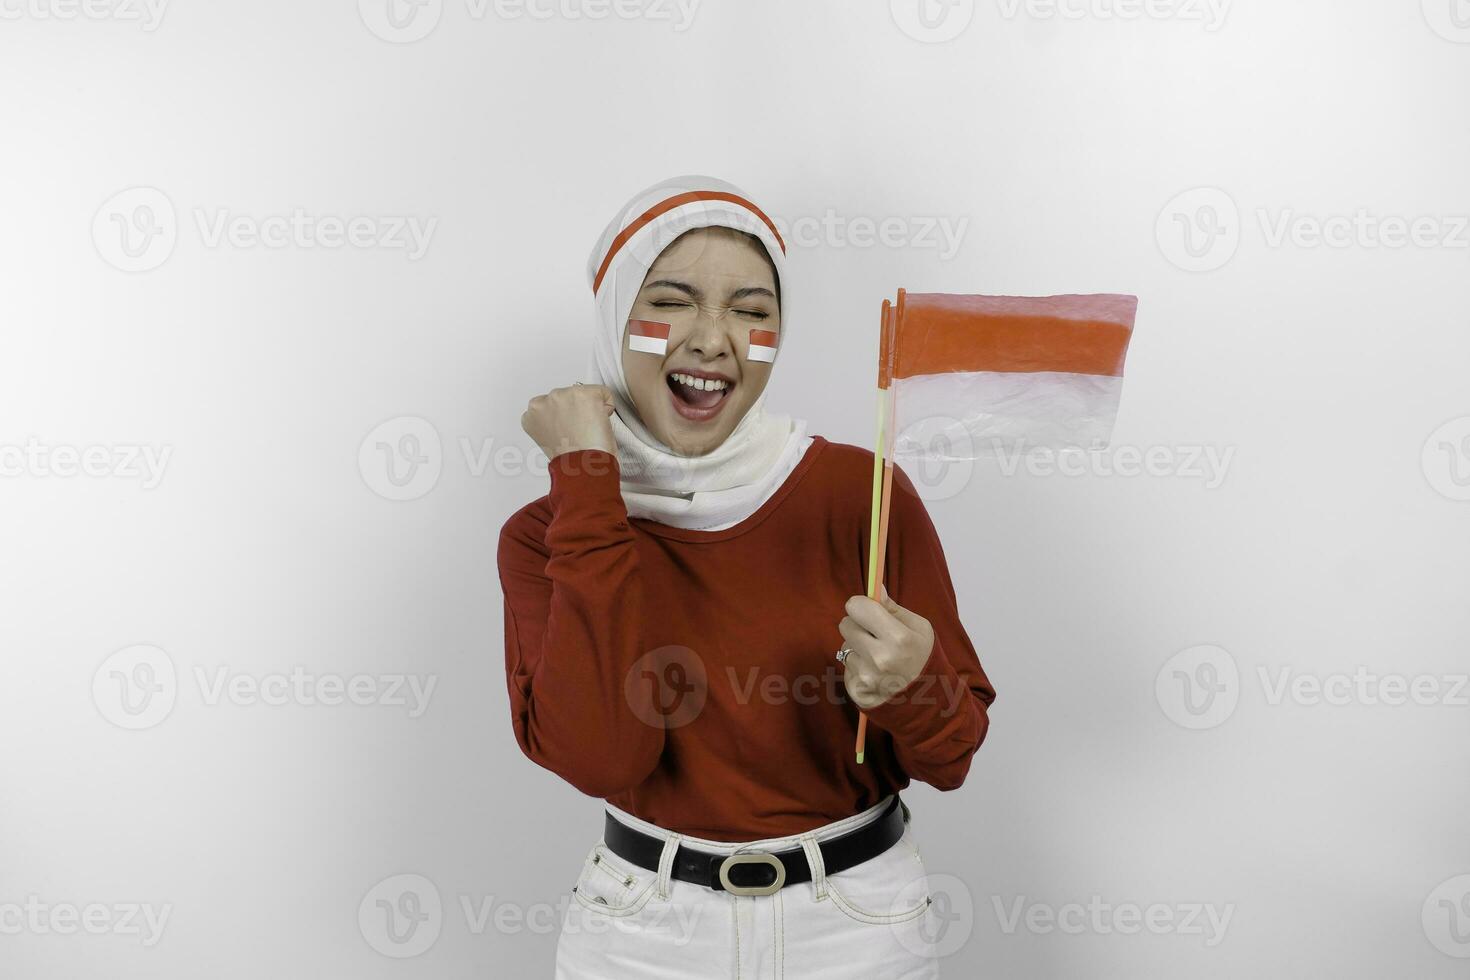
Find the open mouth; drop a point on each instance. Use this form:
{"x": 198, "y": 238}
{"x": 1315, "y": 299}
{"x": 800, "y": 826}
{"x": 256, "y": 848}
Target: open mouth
{"x": 698, "y": 395}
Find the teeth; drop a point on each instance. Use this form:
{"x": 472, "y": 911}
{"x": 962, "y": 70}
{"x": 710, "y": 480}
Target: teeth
{"x": 700, "y": 384}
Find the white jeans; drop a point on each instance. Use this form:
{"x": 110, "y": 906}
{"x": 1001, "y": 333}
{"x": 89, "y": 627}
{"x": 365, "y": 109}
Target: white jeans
{"x": 866, "y": 922}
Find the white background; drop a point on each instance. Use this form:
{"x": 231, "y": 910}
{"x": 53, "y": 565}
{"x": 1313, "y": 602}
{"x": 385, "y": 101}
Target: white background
{"x": 1074, "y": 147}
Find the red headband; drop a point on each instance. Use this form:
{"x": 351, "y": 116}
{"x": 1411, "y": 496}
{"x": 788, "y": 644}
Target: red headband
{"x": 667, "y": 205}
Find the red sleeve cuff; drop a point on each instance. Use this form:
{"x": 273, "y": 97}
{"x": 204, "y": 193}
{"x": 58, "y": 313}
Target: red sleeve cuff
{"x": 929, "y": 707}
{"x": 582, "y": 475}
{"x": 587, "y": 506}
{"x": 597, "y": 465}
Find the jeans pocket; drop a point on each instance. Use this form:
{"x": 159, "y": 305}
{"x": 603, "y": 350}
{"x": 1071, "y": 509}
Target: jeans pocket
{"x": 610, "y": 885}
{"x": 884, "y": 890}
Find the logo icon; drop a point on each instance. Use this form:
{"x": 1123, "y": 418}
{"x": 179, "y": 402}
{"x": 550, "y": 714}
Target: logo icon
{"x": 401, "y": 916}
{"x": 1199, "y": 230}
{"x": 667, "y": 687}
{"x": 1450, "y": 19}
{"x": 136, "y": 687}
{"x": 1446, "y": 459}
{"x": 400, "y": 21}
{"x": 1446, "y": 916}
{"x": 402, "y": 458}
{"x": 932, "y": 21}
{"x": 1199, "y": 687}
{"x": 135, "y": 230}
{"x": 938, "y": 455}
{"x": 946, "y": 924}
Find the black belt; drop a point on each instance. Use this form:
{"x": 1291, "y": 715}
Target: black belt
{"x": 770, "y": 871}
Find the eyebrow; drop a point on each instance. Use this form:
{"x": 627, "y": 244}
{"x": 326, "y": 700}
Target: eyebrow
{"x": 696, "y": 294}
{"x": 683, "y": 287}
{"x": 751, "y": 291}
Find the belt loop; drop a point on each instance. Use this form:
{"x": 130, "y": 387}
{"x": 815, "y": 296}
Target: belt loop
{"x": 814, "y": 861}
{"x": 666, "y": 864}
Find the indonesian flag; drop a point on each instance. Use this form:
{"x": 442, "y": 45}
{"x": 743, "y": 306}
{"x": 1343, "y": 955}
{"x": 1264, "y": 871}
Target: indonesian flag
{"x": 648, "y": 336}
{"x": 973, "y": 376}
{"x": 762, "y": 345}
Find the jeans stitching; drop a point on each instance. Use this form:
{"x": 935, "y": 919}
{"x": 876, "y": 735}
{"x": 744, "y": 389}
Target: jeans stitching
{"x": 666, "y": 866}
{"x": 735, "y": 910}
{"x": 599, "y": 860}
{"x": 780, "y": 937}
{"x": 873, "y": 918}
{"x": 598, "y": 907}
{"x": 814, "y": 861}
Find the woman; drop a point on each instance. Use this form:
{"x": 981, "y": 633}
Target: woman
{"x": 672, "y": 607}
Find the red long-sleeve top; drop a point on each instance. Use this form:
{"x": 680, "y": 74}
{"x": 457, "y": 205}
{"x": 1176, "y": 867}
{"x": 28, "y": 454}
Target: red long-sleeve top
{"x": 688, "y": 677}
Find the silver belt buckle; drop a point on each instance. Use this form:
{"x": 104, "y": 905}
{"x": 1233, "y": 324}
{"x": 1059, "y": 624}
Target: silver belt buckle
{"x": 735, "y": 859}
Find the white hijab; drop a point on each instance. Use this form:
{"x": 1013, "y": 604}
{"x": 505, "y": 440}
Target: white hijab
{"x": 728, "y": 484}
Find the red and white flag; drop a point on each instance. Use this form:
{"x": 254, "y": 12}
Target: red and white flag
{"x": 762, "y": 346}
{"x": 648, "y": 336}
{"x": 960, "y": 377}
{"x": 973, "y": 376}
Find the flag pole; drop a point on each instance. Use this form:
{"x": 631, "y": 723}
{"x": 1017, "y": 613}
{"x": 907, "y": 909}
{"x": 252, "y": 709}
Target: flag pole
{"x": 882, "y": 474}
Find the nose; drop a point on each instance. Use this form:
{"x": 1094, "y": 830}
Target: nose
{"x": 707, "y": 337}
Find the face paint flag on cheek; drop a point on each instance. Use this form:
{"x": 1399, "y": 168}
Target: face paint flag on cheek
{"x": 762, "y": 346}
{"x": 648, "y": 337}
